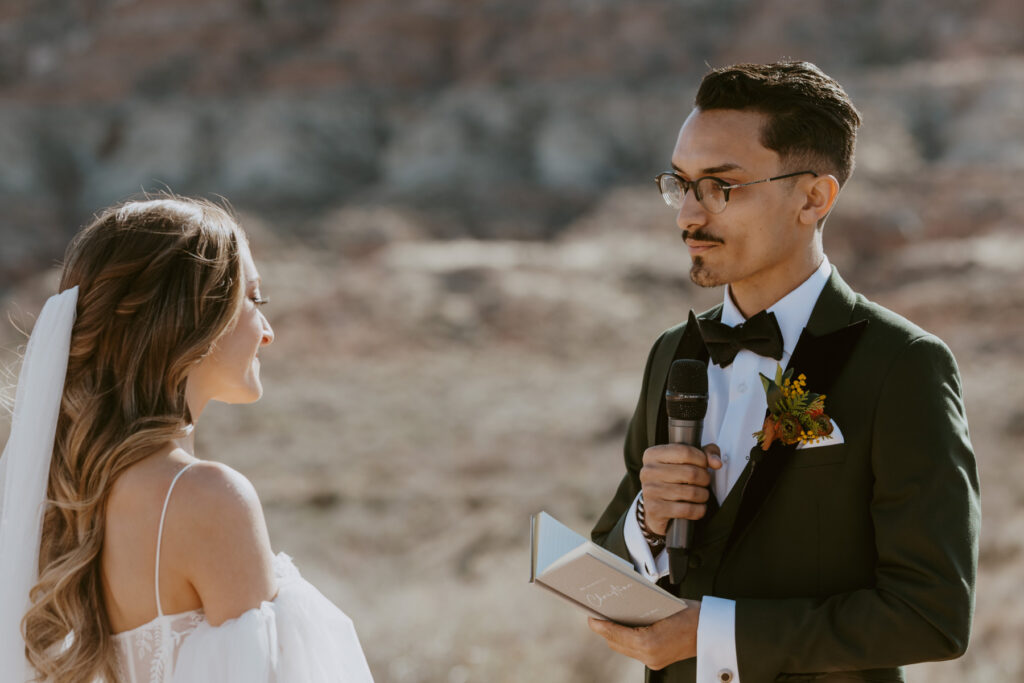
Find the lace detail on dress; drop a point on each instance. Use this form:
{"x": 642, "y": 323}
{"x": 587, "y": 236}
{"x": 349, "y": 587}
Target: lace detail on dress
{"x": 147, "y": 654}
{"x": 298, "y": 637}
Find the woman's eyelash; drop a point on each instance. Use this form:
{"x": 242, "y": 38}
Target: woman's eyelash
{"x": 260, "y": 300}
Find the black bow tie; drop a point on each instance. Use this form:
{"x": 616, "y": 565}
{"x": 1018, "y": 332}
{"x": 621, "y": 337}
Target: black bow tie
{"x": 759, "y": 333}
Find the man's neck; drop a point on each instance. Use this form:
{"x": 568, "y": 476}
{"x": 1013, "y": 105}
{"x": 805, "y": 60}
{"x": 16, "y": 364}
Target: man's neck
{"x": 754, "y": 295}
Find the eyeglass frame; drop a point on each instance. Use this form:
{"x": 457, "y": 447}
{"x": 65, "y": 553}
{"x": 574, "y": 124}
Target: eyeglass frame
{"x": 726, "y": 188}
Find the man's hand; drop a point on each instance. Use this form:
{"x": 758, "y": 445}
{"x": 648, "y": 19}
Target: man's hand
{"x": 662, "y": 643}
{"x": 674, "y": 480}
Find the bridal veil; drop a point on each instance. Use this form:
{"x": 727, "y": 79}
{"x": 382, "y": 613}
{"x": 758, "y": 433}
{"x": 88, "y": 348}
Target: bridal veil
{"x": 24, "y": 471}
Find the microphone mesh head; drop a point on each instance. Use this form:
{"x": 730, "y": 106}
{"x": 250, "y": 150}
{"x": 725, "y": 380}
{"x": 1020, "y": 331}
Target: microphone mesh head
{"x": 686, "y": 395}
{"x": 688, "y": 377}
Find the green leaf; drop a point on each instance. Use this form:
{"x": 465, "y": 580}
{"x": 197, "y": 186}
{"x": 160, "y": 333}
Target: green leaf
{"x": 767, "y": 383}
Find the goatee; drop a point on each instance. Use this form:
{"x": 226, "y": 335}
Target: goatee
{"x": 701, "y": 276}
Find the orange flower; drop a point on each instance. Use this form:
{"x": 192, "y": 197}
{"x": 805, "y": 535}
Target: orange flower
{"x": 769, "y": 433}
{"x": 822, "y": 425}
{"x": 788, "y": 428}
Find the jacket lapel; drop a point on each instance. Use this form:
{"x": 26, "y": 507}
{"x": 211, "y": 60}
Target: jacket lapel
{"x": 691, "y": 346}
{"x": 821, "y": 353}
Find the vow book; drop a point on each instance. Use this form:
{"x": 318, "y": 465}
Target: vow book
{"x": 593, "y": 578}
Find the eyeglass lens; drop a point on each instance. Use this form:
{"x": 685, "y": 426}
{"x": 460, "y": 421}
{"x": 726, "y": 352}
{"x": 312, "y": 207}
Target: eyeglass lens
{"x": 709, "y": 193}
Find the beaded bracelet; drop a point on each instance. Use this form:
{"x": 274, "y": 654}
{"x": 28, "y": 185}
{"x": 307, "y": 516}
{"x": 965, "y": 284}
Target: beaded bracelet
{"x": 654, "y": 540}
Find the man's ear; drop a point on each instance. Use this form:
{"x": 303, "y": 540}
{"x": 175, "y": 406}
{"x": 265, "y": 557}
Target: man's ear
{"x": 821, "y": 196}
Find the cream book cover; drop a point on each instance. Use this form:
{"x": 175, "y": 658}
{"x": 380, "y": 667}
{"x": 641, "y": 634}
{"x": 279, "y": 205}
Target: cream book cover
{"x": 594, "y": 578}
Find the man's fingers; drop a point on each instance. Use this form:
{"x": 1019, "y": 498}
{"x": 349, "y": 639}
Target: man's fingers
{"x": 620, "y": 648}
{"x": 675, "y": 480}
{"x": 640, "y": 643}
{"x": 674, "y": 474}
{"x": 658, "y": 512}
{"x": 714, "y": 454}
{"x": 675, "y": 454}
{"x": 675, "y": 493}
{"x": 620, "y": 638}
{"x": 601, "y": 627}
{"x": 692, "y": 511}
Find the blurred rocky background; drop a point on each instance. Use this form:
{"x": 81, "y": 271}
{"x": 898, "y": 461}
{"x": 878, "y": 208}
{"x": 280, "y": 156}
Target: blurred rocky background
{"x": 451, "y": 205}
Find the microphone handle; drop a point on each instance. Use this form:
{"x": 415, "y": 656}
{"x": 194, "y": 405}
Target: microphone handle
{"x": 680, "y": 531}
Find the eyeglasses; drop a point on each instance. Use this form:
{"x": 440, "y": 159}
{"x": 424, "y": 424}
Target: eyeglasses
{"x": 711, "y": 192}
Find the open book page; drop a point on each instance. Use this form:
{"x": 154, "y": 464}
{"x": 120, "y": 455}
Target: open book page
{"x": 552, "y": 541}
{"x": 594, "y": 578}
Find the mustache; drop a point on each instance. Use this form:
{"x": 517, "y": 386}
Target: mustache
{"x": 700, "y": 235}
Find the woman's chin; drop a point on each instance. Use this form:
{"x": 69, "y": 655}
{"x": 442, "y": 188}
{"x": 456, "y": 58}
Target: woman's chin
{"x": 250, "y": 393}
{"x": 255, "y": 392}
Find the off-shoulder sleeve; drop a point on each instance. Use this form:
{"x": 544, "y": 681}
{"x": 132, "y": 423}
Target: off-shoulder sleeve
{"x": 298, "y": 637}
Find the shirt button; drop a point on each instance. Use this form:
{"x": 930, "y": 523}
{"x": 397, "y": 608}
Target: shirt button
{"x": 725, "y": 675}
{"x": 725, "y": 459}
{"x": 742, "y": 388}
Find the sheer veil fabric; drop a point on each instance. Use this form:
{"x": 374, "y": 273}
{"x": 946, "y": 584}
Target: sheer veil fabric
{"x": 24, "y": 470}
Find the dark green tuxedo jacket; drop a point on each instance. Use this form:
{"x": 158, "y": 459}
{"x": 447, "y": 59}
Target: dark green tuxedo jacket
{"x": 846, "y": 561}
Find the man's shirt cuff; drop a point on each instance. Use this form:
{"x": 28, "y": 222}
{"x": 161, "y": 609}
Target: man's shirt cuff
{"x": 647, "y": 565}
{"x": 716, "y": 641}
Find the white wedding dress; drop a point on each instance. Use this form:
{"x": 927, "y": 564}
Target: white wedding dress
{"x": 298, "y": 637}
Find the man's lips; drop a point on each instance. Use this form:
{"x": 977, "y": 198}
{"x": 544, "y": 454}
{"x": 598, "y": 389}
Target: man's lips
{"x": 699, "y": 242}
{"x": 698, "y": 247}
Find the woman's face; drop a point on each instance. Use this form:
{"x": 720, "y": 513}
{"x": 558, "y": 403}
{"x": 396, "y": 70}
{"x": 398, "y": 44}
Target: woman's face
{"x": 231, "y": 371}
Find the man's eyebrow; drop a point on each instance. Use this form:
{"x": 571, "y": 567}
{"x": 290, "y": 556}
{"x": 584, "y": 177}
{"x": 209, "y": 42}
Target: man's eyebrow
{"x": 722, "y": 168}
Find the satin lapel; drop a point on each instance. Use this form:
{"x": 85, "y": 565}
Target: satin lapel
{"x": 821, "y": 353}
{"x": 690, "y": 345}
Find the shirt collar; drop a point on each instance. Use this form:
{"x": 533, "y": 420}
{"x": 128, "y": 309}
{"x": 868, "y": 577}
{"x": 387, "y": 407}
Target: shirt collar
{"x": 792, "y": 311}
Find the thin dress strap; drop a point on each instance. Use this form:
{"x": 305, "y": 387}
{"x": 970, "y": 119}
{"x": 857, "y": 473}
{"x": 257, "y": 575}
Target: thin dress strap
{"x": 160, "y": 535}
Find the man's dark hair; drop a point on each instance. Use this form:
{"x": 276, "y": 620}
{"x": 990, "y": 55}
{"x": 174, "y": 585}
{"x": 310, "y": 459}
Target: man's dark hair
{"x": 811, "y": 121}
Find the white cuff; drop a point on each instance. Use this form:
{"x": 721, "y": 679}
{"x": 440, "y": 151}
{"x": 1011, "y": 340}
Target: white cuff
{"x": 650, "y": 567}
{"x": 716, "y": 641}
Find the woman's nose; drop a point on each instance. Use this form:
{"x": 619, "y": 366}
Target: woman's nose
{"x": 268, "y": 333}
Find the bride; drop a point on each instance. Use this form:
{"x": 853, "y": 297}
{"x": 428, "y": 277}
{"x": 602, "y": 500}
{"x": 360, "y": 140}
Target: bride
{"x": 124, "y": 558}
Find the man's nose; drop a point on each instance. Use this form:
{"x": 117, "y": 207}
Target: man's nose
{"x": 691, "y": 213}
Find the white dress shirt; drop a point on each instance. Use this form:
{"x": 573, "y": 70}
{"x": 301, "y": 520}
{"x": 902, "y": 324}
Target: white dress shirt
{"x": 736, "y": 409}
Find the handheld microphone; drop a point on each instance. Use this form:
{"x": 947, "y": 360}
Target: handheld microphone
{"x": 686, "y": 403}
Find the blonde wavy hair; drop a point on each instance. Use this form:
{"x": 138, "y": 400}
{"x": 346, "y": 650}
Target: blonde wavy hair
{"x": 159, "y": 282}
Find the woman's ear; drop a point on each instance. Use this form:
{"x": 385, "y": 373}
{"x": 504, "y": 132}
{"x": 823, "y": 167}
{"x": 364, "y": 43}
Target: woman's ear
{"x": 821, "y": 196}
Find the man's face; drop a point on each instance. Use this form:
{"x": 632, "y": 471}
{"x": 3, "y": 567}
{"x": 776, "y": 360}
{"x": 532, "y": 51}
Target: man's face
{"x": 756, "y": 240}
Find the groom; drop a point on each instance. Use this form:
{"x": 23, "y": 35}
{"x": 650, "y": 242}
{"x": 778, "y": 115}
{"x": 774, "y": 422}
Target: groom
{"x": 839, "y": 560}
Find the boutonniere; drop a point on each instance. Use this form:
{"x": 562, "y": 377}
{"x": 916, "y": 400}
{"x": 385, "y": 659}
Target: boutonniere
{"x": 795, "y": 415}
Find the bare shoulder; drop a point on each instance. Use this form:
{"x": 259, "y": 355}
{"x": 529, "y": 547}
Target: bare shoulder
{"x": 216, "y": 504}
{"x": 217, "y": 495}
{"x": 224, "y": 546}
